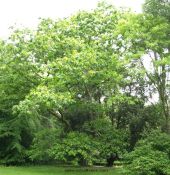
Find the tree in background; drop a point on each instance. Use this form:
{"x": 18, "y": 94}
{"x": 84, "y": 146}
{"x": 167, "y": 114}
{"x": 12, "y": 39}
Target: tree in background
{"x": 148, "y": 41}
{"x": 157, "y": 8}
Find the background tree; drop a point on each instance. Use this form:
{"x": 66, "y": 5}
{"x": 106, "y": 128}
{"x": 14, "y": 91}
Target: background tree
{"x": 148, "y": 38}
{"x": 158, "y": 8}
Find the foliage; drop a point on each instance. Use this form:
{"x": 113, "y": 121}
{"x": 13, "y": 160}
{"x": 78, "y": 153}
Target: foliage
{"x": 76, "y": 147}
{"x": 109, "y": 139}
{"x": 77, "y": 89}
{"x": 11, "y": 150}
{"x": 151, "y": 156}
{"x": 43, "y": 142}
{"x": 148, "y": 41}
{"x": 157, "y": 8}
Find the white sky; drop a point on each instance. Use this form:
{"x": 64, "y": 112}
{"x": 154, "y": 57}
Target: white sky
{"x": 27, "y": 12}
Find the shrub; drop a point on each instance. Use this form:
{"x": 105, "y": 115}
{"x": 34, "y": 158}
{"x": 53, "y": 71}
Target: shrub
{"x": 42, "y": 144}
{"x": 151, "y": 156}
{"x": 109, "y": 139}
{"x": 77, "y": 148}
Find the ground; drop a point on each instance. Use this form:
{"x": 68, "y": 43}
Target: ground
{"x": 52, "y": 170}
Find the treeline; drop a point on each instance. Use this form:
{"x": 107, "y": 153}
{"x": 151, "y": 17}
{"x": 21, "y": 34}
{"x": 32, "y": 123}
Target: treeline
{"x": 77, "y": 89}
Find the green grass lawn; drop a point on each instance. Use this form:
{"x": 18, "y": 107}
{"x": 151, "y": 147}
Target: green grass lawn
{"x": 52, "y": 170}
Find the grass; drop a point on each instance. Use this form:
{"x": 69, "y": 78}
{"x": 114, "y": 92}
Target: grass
{"x": 52, "y": 170}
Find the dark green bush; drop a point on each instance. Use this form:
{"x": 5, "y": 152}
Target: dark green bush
{"x": 108, "y": 137}
{"x": 42, "y": 144}
{"x": 151, "y": 156}
{"x": 92, "y": 145}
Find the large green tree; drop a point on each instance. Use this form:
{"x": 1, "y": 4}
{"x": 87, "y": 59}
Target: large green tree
{"x": 59, "y": 74}
{"x": 72, "y": 74}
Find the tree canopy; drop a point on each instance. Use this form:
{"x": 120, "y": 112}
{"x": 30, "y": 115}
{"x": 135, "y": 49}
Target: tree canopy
{"x": 76, "y": 89}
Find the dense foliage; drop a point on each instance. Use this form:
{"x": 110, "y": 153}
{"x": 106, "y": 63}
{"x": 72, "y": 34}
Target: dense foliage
{"x": 151, "y": 155}
{"x": 80, "y": 88}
